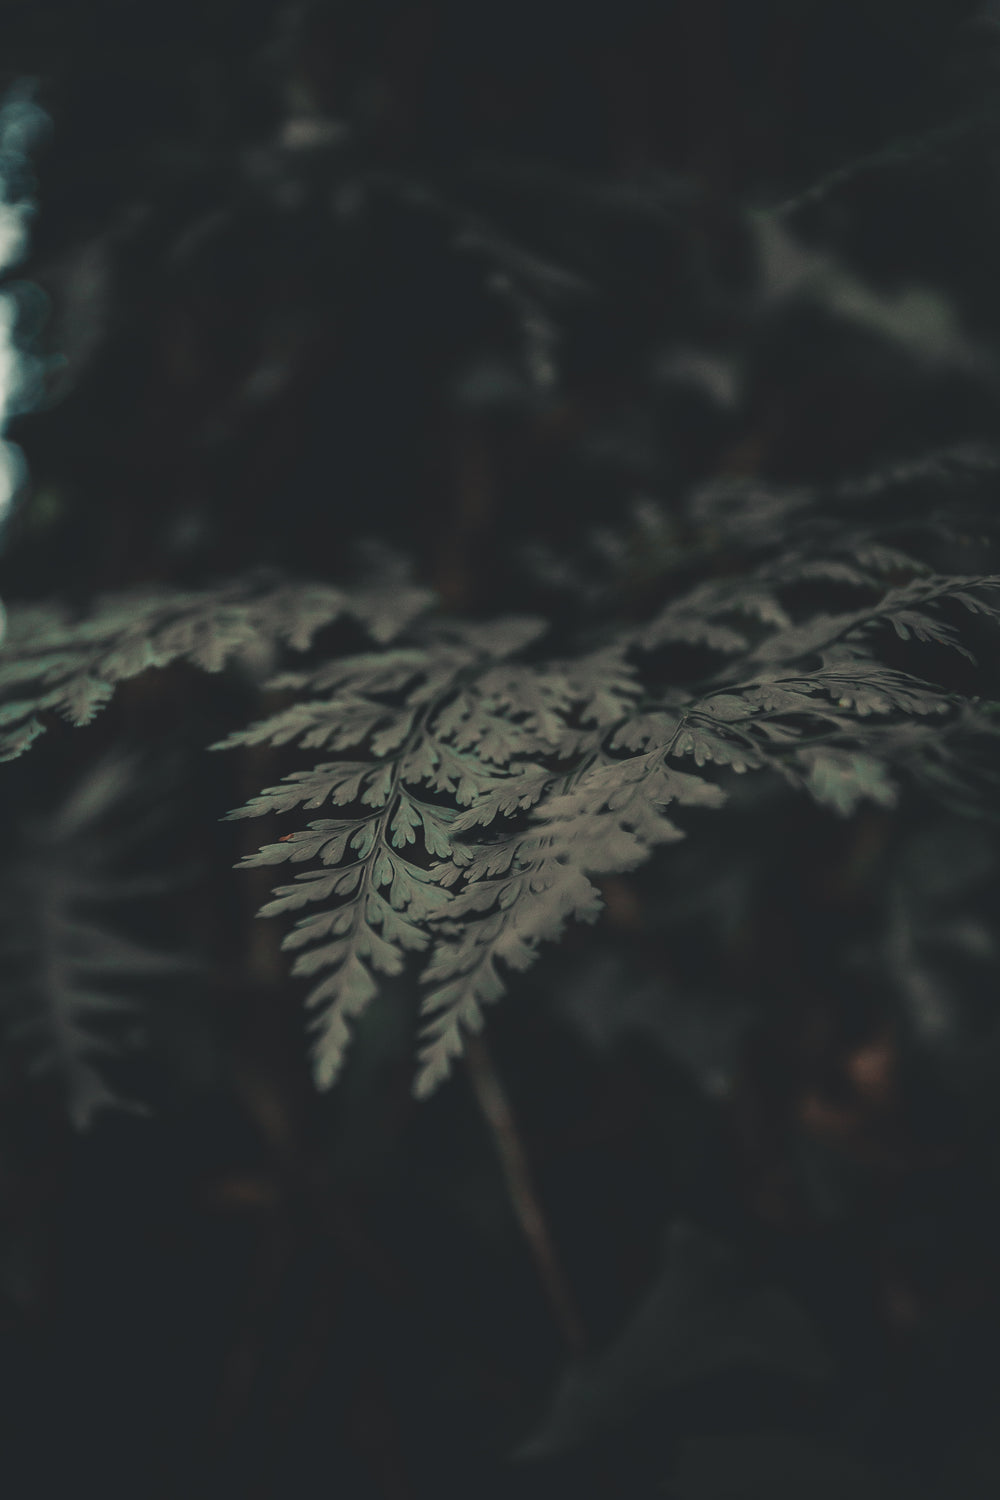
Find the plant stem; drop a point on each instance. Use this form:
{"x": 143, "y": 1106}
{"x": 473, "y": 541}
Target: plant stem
{"x": 499, "y": 1116}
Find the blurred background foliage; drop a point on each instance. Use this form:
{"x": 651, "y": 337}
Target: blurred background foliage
{"x": 496, "y": 287}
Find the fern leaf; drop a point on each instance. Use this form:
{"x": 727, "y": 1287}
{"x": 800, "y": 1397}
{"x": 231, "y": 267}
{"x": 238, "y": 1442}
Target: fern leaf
{"x": 604, "y": 820}
{"x": 499, "y": 742}
{"x": 74, "y": 666}
{"x": 452, "y": 694}
{"x": 841, "y": 779}
{"x": 70, "y": 973}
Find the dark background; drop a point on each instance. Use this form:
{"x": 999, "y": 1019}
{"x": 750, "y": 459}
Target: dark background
{"x": 760, "y": 1101}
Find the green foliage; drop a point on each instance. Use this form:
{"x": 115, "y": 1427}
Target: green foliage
{"x": 703, "y": 1316}
{"x": 712, "y": 802}
{"x": 54, "y": 663}
{"x": 483, "y": 783}
{"x": 71, "y": 970}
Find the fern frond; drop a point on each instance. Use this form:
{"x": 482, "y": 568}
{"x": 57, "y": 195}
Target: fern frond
{"x": 905, "y": 608}
{"x": 454, "y": 715}
{"x": 518, "y": 894}
{"x": 70, "y": 973}
{"x": 472, "y": 789}
{"x": 542, "y": 774}
{"x": 50, "y": 663}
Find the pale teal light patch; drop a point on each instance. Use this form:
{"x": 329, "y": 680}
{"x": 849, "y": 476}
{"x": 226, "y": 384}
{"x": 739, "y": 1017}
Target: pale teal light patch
{"x": 22, "y": 122}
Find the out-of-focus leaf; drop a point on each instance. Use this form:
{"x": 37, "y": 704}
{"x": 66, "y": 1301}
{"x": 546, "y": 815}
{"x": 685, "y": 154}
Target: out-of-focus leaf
{"x": 704, "y": 1316}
